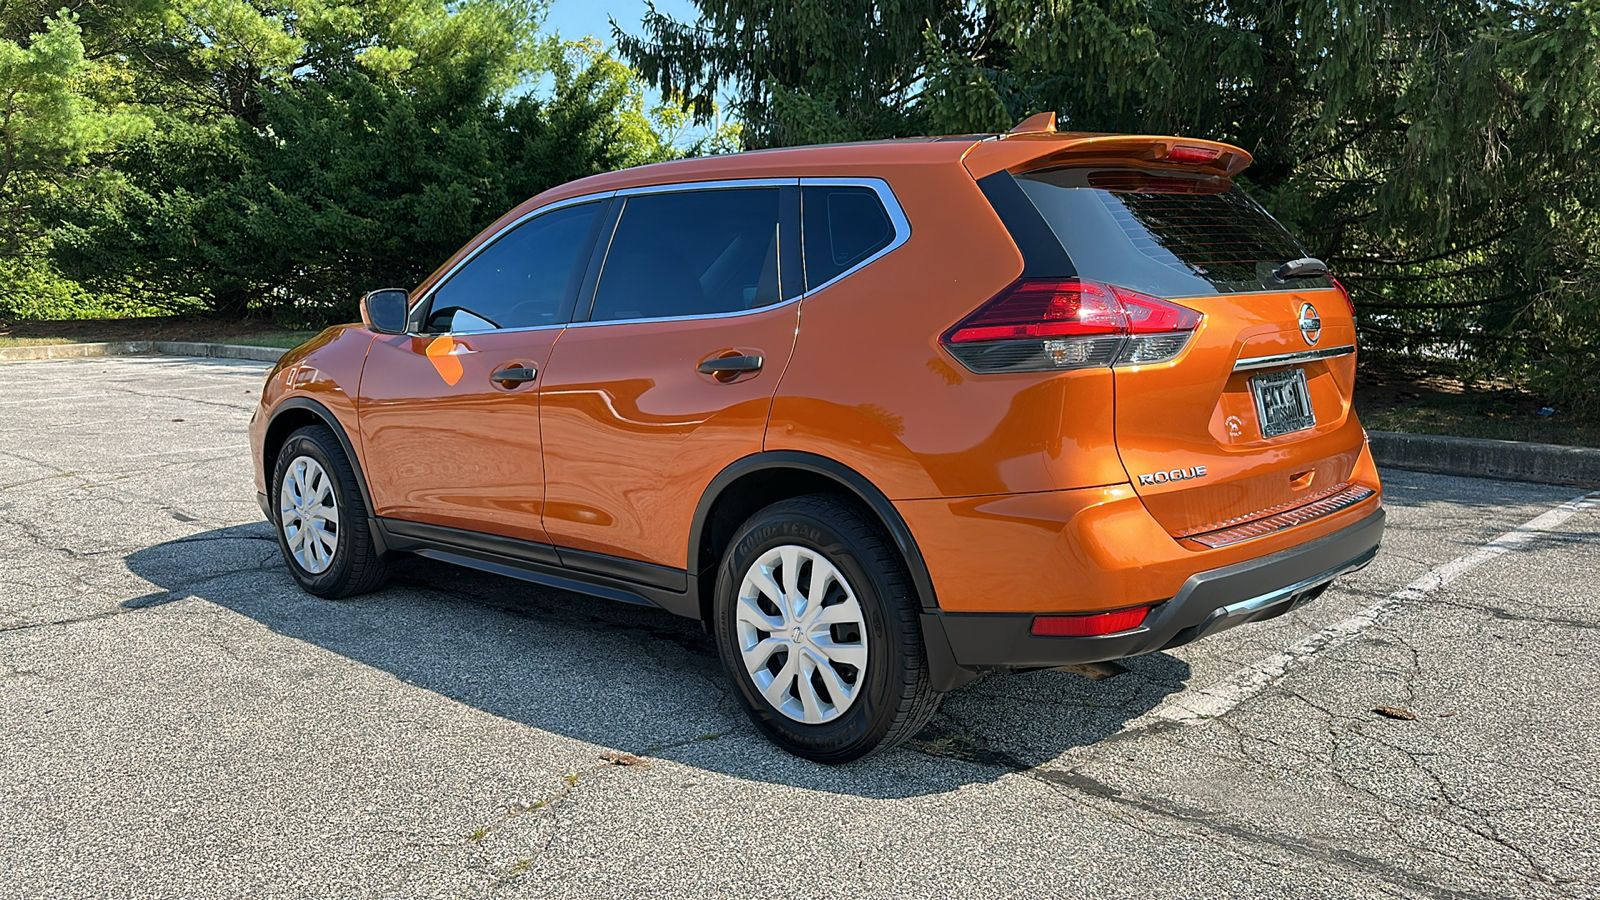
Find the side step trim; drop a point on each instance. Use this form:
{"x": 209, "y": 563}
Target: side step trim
{"x": 614, "y": 578}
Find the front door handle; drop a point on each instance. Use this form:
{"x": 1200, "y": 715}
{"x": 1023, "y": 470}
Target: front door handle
{"x": 515, "y": 375}
{"x": 730, "y": 365}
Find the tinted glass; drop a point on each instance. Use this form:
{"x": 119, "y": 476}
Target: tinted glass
{"x": 1171, "y": 236}
{"x": 691, "y": 253}
{"x": 525, "y": 278}
{"x": 843, "y": 226}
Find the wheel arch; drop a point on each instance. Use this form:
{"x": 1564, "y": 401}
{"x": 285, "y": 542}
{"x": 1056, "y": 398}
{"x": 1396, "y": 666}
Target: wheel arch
{"x": 296, "y": 413}
{"x": 759, "y": 480}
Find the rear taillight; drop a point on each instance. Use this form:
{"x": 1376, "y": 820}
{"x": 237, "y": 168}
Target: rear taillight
{"x": 1041, "y": 325}
{"x": 1345, "y": 293}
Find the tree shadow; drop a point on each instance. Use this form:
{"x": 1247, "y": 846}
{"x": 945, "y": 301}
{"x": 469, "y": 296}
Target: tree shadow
{"x": 631, "y": 678}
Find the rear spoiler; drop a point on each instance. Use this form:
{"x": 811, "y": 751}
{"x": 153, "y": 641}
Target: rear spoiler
{"x": 1021, "y": 151}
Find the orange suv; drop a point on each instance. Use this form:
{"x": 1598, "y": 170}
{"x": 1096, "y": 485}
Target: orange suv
{"x": 884, "y": 416}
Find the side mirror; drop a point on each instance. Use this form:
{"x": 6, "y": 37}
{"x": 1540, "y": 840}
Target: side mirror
{"x": 387, "y": 311}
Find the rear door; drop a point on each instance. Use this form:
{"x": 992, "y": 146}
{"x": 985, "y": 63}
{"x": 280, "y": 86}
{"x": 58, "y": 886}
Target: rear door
{"x": 1254, "y": 416}
{"x": 671, "y": 377}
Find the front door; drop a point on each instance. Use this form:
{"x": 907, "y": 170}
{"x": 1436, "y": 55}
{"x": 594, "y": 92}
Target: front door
{"x": 449, "y": 417}
{"x": 671, "y": 377}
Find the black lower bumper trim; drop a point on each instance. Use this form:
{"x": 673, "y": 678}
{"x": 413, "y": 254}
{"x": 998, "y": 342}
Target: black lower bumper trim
{"x": 1208, "y": 602}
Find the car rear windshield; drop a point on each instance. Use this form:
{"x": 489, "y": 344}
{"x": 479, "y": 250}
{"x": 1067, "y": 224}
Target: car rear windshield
{"x": 1167, "y": 235}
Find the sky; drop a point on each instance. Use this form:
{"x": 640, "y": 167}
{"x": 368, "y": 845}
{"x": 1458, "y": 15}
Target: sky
{"x": 579, "y": 18}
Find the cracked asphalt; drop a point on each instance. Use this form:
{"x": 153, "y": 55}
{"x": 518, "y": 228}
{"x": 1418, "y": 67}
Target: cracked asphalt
{"x": 178, "y": 720}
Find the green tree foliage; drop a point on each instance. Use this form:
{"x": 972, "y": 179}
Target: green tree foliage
{"x": 45, "y": 125}
{"x": 1440, "y": 154}
{"x": 808, "y": 71}
{"x": 301, "y": 153}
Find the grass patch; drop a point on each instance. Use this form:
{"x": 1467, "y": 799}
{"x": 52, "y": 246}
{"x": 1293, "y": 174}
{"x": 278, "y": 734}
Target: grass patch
{"x": 1415, "y": 399}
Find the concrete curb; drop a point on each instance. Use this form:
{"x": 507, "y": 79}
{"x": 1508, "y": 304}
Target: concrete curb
{"x": 1511, "y": 460}
{"x": 141, "y": 348}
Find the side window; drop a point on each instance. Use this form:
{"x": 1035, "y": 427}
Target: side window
{"x": 690, "y": 253}
{"x": 525, "y": 278}
{"x": 843, "y": 226}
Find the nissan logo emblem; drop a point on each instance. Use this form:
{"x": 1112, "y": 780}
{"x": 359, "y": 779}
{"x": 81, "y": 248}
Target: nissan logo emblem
{"x": 1310, "y": 324}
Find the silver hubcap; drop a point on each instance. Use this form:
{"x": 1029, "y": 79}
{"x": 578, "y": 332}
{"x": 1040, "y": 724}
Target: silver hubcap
{"x": 308, "y": 513}
{"x": 801, "y": 634}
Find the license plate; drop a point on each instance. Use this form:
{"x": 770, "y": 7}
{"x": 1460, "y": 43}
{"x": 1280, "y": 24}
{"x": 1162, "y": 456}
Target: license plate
{"x": 1282, "y": 402}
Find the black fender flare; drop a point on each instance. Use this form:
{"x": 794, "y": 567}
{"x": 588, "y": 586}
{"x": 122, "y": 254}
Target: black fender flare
{"x": 944, "y": 672}
{"x": 858, "y": 485}
{"x": 332, "y": 421}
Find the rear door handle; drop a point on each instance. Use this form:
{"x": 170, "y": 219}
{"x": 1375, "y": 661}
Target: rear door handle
{"x": 515, "y": 375}
{"x": 731, "y": 365}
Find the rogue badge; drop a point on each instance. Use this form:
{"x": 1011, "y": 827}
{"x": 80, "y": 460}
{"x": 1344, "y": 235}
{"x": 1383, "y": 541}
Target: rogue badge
{"x": 1173, "y": 475}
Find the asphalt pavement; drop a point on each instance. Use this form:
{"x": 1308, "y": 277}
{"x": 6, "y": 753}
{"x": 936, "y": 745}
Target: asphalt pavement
{"x": 178, "y": 720}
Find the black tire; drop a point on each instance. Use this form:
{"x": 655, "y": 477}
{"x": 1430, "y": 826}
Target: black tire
{"x": 895, "y": 699}
{"x": 356, "y": 567}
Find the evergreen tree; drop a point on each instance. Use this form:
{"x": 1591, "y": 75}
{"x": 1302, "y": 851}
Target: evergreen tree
{"x": 1440, "y": 154}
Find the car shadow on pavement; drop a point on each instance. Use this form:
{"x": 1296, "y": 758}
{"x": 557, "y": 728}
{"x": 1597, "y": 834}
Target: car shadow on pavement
{"x": 632, "y": 678}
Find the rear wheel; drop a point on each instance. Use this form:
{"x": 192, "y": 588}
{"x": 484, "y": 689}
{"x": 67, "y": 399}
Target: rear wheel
{"x": 817, "y": 624}
{"x": 321, "y": 520}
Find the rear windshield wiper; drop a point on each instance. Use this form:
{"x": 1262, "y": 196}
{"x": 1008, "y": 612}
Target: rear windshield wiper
{"x": 1304, "y": 267}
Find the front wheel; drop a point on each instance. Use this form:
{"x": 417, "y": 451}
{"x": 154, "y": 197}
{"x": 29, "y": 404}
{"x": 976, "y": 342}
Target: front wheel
{"x": 321, "y": 520}
{"x": 817, "y": 623}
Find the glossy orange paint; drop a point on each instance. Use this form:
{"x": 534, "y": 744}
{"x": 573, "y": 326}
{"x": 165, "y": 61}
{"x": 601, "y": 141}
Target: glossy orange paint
{"x": 1078, "y": 551}
{"x": 321, "y": 370}
{"x": 1196, "y": 411}
{"x": 443, "y": 443}
{"x": 634, "y": 433}
{"x": 1018, "y": 488}
{"x": 871, "y": 387}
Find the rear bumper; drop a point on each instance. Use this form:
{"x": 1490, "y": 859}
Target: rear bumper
{"x": 1208, "y": 602}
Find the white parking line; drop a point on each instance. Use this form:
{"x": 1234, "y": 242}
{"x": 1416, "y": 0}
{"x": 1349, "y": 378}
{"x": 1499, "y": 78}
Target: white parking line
{"x": 1200, "y": 704}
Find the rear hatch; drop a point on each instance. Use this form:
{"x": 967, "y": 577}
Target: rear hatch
{"x": 1252, "y": 419}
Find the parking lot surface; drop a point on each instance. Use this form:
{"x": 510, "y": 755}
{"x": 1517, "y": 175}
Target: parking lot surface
{"x": 178, "y": 720}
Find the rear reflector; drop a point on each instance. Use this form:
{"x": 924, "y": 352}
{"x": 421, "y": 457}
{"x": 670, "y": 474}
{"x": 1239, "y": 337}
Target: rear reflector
{"x": 1091, "y": 625}
{"x": 1045, "y": 324}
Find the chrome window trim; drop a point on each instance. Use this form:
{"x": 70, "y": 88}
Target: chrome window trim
{"x": 718, "y": 185}
{"x": 891, "y": 205}
{"x": 427, "y": 299}
{"x": 1285, "y": 359}
{"x": 680, "y": 188}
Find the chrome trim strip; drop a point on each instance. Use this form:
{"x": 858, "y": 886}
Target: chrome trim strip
{"x": 891, "y": 205}
{"x": 1256, "y": 604}
{"x": 723, "y": 184}
{"x": 1286, "y": 359}
{"x": 695, "y": 318}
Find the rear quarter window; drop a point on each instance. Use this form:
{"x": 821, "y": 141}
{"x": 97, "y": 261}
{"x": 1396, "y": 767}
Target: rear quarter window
{"x": 1170, "y": 235}
{"x": 843, "y": 227}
